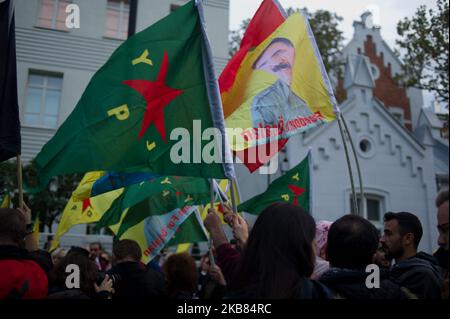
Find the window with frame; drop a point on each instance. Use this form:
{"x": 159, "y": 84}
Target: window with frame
{"x": 375, "y": 209}
{"x": 42, "y": 100}
{"x": 398, "y": 117}
{"x": 117, "y": 16}
{"x": 52, "y": 14}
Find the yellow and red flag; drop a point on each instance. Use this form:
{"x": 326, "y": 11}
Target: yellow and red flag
{"x": 89, "y": 210}
{"x": 275, "y": 86}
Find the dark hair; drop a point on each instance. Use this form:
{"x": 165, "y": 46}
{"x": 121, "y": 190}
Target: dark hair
{"x": 127, "y": 248}
{"x": 88, "y": 271}
{"x": 96, "y": 243}
{"x": 408, "y": 223}
{"x": 276, "y": 40}
{"x": 279, "y": 252}
{"x": 12, "y": 225}
{"x": 442, "y": 197}
{"x": 181, "y": 274}
{"x": 352, "y": 242}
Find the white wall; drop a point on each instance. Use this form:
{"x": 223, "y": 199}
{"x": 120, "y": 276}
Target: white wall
{"x": 399, "y": 169}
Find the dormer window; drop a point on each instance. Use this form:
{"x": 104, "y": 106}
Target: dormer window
{"x": 398, "y": 114}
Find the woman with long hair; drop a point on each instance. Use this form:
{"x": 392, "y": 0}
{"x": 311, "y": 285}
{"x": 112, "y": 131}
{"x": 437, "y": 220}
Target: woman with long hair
{"x": 279, "y": 257}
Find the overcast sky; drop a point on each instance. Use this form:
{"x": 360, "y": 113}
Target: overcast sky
{"x": 388, "y": 13}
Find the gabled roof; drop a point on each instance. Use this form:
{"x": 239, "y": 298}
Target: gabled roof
{"x": 432, "y": 118}
{"x": 357, "y": 72}
{"x": 349, "y": 105}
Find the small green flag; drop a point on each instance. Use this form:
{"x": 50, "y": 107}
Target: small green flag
{"x": 191, "y": 231}
{"x": 293, "y": 187}
{"x": 156, "y": 196}
{"x": 159, "y": 80}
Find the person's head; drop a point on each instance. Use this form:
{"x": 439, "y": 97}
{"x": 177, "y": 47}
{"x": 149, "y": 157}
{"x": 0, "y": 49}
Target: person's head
{"x": 126, "y": 250}
{"x": 277, "y": 59}
{"x": 279, "y": 251}
{"x": 12, "y": 227}
{"x": 181, "y": 273}
{"x": 379, "y": 258}
{"x": 322, "y": 229}
{"x": 88, "y": 270}
{"x": 105, "y": 261}
{"x": 57, "y": 255}
{"x": 95, "y": 249}
{"x": 401, "y": 236}
{"x": 352, "y": 242}
{"x": 442, "y": 218}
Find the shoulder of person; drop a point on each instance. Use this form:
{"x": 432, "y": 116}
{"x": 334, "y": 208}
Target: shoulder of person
{"x": 313, "y": 289}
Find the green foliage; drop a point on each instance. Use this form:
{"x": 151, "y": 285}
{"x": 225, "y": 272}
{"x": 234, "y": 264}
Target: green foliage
{"x": 324, "y": 25}
{"x": 424, "y": 42}
{"x": 49, "y": 203}
{"x": 236, "y": 36}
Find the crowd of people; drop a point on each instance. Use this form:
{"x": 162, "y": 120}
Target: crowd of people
{"x": 285, "y": 255}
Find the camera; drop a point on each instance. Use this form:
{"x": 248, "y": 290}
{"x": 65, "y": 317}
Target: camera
{"x": 101, "y": 276}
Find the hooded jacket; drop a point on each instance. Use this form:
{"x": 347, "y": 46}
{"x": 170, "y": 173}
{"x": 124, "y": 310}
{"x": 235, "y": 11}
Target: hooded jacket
{"x": 351, "y": 284}
{"x": 421, "y": 274}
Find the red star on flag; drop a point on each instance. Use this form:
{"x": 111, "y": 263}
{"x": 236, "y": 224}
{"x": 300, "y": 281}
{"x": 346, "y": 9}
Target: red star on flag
{"x": 158, "y": 96}
{"x": 297, "y": 191}
{"x": 86, "y": 205}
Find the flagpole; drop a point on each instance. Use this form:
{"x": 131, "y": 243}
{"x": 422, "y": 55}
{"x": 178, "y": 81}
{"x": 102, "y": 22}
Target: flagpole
{"x": 362, "y": 195}
{"x": 19, "y": 180}
{"x": 233, "y": 196}
{"x": 210, "y": 243}
{"x": 355, "y": 203}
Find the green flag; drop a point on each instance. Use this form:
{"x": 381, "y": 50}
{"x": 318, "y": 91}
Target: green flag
{"x": 155, "y": 197}
{"x": 293, "y": 187}
{"x": 191, "y": 231}
{"x": 158, "y": 80}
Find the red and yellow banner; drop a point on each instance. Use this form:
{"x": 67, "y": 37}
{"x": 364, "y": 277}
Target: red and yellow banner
{"x": 276, "y": 85}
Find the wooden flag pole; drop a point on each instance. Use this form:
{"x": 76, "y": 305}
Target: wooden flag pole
{"x": 358, "y": 169}
{"x": 355, "y": 202}
{"x": 19, "y": 181}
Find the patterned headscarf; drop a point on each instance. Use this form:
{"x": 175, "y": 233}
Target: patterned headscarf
{"x": 322, "y": 228}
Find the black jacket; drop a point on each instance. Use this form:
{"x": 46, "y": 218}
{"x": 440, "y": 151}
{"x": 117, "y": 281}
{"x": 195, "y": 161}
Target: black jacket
{"x": 305, "y": 289}
{"x": 421, "y": 274}
{"x": 134, "y": 281}
{"x": 351, "y": 284}
{"x": 441, "y": 256}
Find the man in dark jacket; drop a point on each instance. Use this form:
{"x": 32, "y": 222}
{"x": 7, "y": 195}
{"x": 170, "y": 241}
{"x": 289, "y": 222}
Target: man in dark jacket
{"x": 419, "y": 272}
{"x": 352, "y": 244}
{"x": 132, "y": 280}
{"x": 23, "y": 267}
